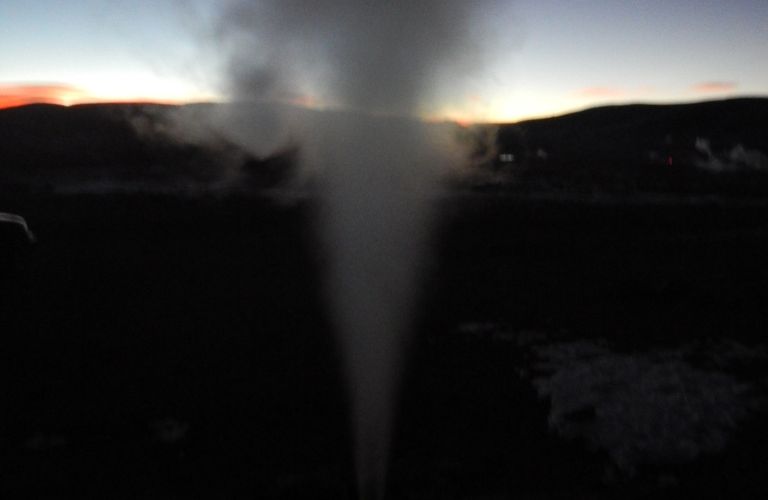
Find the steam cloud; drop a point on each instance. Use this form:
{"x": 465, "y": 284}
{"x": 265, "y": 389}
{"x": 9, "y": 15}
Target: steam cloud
{"x": 373, "y": 67}
{"x": 382, "y": 57}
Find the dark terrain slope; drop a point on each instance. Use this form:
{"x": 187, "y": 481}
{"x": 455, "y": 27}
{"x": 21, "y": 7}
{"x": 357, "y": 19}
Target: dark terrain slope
{"x": 44, "y": 146}
{"x": 629, "y": 147}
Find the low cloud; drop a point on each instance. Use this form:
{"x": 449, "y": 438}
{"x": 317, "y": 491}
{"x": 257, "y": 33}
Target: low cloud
{"x": 33, "y": 93}
{"x": 714, "y": 87}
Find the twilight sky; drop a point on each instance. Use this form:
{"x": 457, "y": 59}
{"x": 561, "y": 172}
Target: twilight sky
{"x": 542, "y": 57}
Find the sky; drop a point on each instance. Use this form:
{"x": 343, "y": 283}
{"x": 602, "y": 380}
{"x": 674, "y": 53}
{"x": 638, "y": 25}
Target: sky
{"x": 540, "y": 57}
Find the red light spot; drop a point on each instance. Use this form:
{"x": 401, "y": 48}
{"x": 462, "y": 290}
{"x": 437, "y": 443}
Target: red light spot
{"x": 669, "y": 161}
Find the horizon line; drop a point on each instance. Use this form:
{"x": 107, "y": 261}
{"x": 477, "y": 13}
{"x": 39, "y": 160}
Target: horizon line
{"x": 437, "y": 119}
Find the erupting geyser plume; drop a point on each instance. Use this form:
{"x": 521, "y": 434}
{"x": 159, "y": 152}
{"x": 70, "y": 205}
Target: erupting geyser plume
{"x": 376, "y": 217}
{"x": 374, "y": 66}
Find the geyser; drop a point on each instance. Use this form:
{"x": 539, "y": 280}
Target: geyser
{"x": 377, "y": 66}
{"x": 375, "y": 216}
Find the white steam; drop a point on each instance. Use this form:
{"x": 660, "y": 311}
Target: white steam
{"x": 373, "y": 67}
{"x": 738, "y": 158}
{"x": 376, "y": 215}
{"x": 394, "y": 57}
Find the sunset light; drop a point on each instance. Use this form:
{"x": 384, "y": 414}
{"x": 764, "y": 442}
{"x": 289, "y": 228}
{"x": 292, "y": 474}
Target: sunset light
{"x": 18, "y": 95}
{"x": 539, "y": 64}
{"x": 384, "y": 249}
{"x": 12, "y": 95}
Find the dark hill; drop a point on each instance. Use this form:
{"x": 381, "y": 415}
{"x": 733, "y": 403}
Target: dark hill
{"x": 613, "y": 148}
{"x": 78, "y": 136}
{"x": 50, "y": 145}
{"x": 621, "y": 146}
{"x": 637, "y": 128}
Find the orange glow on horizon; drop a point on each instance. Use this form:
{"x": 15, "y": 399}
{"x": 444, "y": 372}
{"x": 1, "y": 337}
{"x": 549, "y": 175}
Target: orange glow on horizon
{"x": 19, "y": 95}
{"x": 65, "y": 95}
{"x": 463, "y": 122}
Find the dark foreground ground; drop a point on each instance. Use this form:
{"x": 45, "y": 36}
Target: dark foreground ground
{"x": 162, "y": 347}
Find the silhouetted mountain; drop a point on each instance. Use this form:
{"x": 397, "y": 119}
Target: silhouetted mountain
{"x": 667, "y": 147}
{"x": 710, "y": 147}
{"x": 100, "y": 144}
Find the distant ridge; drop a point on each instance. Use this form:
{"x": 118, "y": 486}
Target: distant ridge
{"x": 629, "y": 132}
{"x": 737, "y": 101}
{"x": 51, "y": 146}
{"x": 617, "y": 147}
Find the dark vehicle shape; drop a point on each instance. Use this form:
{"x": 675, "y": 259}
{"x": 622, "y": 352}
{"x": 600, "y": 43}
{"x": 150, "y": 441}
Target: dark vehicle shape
{"x": 16, "y": 241}
{"x": 14, "y": 229}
